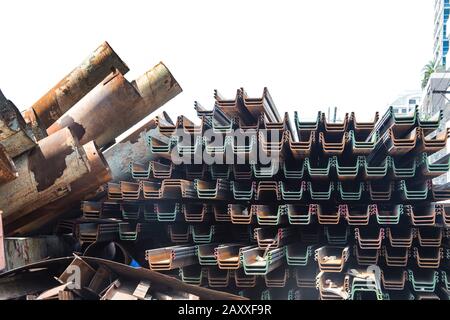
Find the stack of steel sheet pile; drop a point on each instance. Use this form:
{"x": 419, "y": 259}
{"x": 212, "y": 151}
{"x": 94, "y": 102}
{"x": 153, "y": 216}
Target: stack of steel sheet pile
{"x": 248, "y": 203}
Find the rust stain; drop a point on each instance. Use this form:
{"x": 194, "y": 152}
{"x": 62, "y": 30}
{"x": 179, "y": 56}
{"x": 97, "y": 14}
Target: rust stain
{"x": 8, "y": 171}
{"x": 173, "y": 81}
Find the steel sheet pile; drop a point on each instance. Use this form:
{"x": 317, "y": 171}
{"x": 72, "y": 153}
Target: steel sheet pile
{"x": 243, "y": 201}
{"x": 249, "y": 204}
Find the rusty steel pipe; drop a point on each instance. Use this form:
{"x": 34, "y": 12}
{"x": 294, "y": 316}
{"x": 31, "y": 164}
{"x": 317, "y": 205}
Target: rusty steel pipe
{"x": 115, "y": 105}
{"x": 15, "y": 135}
{"x": 157, "y": 86}
{"x": 101, "y": 115}
{"x": 76, "y": 85}
{"x": 133, "y": 148}
{"x": 8, "y": 171}
{"x": 45, "y": 174}
{"x": 81, "y": 189}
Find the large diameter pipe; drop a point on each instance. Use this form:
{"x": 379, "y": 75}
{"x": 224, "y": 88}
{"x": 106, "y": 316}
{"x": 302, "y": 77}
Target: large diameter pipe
{"x": 15, "y": 135}
{"x": 157, "y": 86}
{"x": 103, "y": 113}
{"x": 76, "y": 85}
{"x": 45, "y": 174}
{"x": 115, "y": 105}
{"x": 80, "y": 189}
{"x": 133, "y": 148}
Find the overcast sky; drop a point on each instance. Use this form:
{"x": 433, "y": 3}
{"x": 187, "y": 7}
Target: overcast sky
{"x": 354, "y": 54}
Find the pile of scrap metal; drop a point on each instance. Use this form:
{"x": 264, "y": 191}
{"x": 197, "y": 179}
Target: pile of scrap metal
{"x": 246, "y": 202}
{"x": 52, "y": 154}
{"x": 90, "y": 278}
{"x": 51, "y": 158}
{"x": 343, "y": 210}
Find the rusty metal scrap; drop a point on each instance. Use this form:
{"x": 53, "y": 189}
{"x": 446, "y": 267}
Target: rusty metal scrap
{"x": 75, "y": 85}
{"x": 133, "y": 148}
{"x": 100, "y": 280}
{"x": 20, "y": 251}
{"x": 336, "y": 199}
{"x": 8, "y": 171}
{"x": 107, "y": 100}
{"x": 15, "y": 135}
{"x": 51, "y": 178}
{"x": 110, "y": 98}
{"x": 45, "y": 174}
{"x": 83, "y": 187}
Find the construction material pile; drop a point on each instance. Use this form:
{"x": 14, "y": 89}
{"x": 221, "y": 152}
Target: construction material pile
{"x": 51, "y": 155}
{"x": 247, "y": 203}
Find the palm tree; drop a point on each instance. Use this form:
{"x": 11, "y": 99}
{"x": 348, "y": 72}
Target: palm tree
{"x": 427, "y": 71}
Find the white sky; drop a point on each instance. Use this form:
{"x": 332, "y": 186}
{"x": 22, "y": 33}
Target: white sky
{"x": 354, "y": 54}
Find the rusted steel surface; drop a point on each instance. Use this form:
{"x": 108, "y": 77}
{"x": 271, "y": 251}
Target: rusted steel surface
{"x": 20, "y": 251}
{"x": 81, "y": 188}
{"x": 133, "y": 148}
{"x": 119, "y": 104}
{"x": 2, "y": 249}
{"x": 45, "y": 174}
{"x": 112, "y": 101}
{"x": 33, "y": 122}
{"x": 15, "y": 135}
{"x": 156, "y": 86}
{"x": 8, "y": 170}
{"x": 118, "y": 274}
{"x": 76, "y": 85}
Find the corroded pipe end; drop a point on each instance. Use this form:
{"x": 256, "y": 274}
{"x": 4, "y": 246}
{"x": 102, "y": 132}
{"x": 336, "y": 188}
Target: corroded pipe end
{"x": 98, "y": 166}
{"x": 157, "y": 86}
{"x": 48, "y": 160}
{"x": 15, "y": 135}
{"x": 107, "y": 55}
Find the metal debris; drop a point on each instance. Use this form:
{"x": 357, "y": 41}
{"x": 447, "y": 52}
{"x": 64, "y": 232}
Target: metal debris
{"x": 289, "y": 210}
{"x": 15, "y": 136}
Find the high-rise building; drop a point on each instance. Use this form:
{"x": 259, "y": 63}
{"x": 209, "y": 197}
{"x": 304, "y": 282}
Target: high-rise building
{"x": 436, "y": 93}
{"x": 441, "y": 39}
{"x": 407, "y": 101}
{"x": 435, "y": 99}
